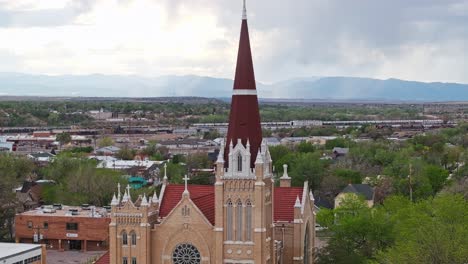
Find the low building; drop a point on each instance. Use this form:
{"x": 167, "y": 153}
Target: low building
{"x": 5, "y": 146}
{"x": 339, "y": 152}
{"x": 358, "y": 190}
{"x": 41, "y": 157}
{"x": 22, "y": 253}
{"x": 62, "y": 228}
{"x": 107, "y": 151}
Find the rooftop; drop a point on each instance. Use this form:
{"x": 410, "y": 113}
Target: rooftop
{"x": 68, "y": 211}
{"x": 11, "y": 249}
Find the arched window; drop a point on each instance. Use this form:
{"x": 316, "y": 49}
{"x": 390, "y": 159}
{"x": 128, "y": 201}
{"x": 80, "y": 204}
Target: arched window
{"x": 186, "y": 254}
{"x": 239, "y": 221}
{"x": 133, "y": 237}
{"x": 248, "y": 221}
{"x": 239, "y": 162}
{"x": 124, "y": 238}
{"x": 229, "y": 221}
{"x": 306, "y": 245}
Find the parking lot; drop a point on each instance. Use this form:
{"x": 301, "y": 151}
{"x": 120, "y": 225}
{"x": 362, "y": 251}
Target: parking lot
{"x": 72, "y": 257}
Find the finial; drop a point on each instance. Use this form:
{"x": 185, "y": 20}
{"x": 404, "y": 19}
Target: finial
{"x": 128, "y": 192}
{"x": 118, "y": 191}
{"x": 259, "y": 159}
{"x": 144, "y": 201}
{"x": 114, "y": 201}
{"x": 155, "y": 198}
{"x": 186, "y": 192}
{"x": 285, "y": 172}
{"x": 165, "y": 171}
{"x": 244, "y": 12}
{"x": 298, "y": 203}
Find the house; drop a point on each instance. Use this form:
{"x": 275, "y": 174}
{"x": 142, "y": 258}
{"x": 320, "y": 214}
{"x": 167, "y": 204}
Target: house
{"x": 363, "y": 190}
{"x": 108, "y": 151}
{"x": 272, "y": 141}
{"x": 41, "y": 157}
{"x": 5, "y": 146}
{"x": 339, "y": 152}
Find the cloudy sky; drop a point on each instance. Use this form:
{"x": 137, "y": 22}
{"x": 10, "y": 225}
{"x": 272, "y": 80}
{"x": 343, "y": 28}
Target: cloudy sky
{"x": 420, "y": 40}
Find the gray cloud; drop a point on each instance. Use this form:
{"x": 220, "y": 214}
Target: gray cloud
{"x": 44, "y": 18}
{"x": 422, "y": 40}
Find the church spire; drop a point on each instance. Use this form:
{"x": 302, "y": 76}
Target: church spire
{"x": 244, "y": 12}
{"x": 244, "y": 119}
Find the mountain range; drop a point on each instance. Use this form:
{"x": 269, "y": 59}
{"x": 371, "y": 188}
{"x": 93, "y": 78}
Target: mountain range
{"x": 324, "y": 88}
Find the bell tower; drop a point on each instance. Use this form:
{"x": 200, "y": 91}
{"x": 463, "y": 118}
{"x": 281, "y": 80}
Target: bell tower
{"x": 244, "y": 185}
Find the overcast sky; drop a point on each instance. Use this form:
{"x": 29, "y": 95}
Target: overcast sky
{"x": 423, "y": 40}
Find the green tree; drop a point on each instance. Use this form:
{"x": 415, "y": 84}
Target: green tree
{"x": 106, "y": 142}
{"x": 63, "y": 138}
{"x": 126, "y": 153}
{"x": 430, "y": 231}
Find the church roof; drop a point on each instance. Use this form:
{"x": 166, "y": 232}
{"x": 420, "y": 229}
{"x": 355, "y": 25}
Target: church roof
{"x": 244, "y": 119}
{"x": 204, "y": 198}
{"x": 284, "y": 200}
{"x": 201, "y": 195}
{"x": 104, "y": 259}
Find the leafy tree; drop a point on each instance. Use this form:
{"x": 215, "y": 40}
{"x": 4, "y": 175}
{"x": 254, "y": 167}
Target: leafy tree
{"x": 126, "y": 153}
{"x": 307, "y": 167}
{"x": 63, "y": 138}
{"x": 349, "y": 176}
{"x": 305, "y": 147}
{"x": 358, "y": 232}
{"x": 430, "y": 231}
{"x": 106, "y": 142}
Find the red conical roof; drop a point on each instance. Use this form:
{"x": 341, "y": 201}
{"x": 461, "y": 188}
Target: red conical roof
{"x": 244, "y": 119}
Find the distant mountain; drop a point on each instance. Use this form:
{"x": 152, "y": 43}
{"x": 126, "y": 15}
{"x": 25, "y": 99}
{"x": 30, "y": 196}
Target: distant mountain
{"x": 338, "y": 88}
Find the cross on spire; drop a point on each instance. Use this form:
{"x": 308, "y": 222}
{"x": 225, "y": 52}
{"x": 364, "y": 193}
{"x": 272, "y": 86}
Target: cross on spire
{"x": 244, "y": 12}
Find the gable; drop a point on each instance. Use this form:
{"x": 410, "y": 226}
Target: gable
{"x": 201, "y": 195}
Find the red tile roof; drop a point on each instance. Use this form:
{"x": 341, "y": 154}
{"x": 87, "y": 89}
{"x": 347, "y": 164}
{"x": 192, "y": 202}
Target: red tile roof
{"x": 104, "y": 259}
{"x": 202, "y": 195}
{"x": 285, "y": 198}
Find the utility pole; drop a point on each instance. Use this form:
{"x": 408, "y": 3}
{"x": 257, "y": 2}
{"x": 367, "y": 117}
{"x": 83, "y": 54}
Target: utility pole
{"x": 410, "y": 184}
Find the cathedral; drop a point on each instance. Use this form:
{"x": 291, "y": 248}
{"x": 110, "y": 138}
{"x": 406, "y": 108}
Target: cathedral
{"x": 245, "y": 217}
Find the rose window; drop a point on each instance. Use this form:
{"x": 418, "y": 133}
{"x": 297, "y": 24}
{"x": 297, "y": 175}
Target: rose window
{"x": 186, "y": 254}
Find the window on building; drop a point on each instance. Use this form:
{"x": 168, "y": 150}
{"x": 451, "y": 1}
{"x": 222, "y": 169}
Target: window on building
{"x": 46, "y": 225}
{"x": 134, "y": 260}
{"x": 30, "y": 224}
{"x": 124, "y": 260}
{"x": 229, "y": 221}
{"x": 248, "y": 221}
{"x": 72, "y": 226}
{"x": 239, "y": 162}
{"x": 134, "y": 238}
{"x": 239, "y": 221}
{"x": 124, "y": 238}
{"x": 186, "y": 254}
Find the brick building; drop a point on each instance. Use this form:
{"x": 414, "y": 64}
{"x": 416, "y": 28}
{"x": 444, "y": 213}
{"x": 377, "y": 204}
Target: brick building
{"x": 65, "y": 228}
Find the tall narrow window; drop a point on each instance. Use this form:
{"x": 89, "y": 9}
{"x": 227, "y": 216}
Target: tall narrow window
{"x": 134, "y": 260}
{"x": 239, "y": 221}
{"x": 248, "y": 221}
{"x": 124, "y": 238}
{"x": 124, "y": 260}
{"x": 229, "y": 221}
{"x": 133, "y": 238}
{"x": 239, "y": 162}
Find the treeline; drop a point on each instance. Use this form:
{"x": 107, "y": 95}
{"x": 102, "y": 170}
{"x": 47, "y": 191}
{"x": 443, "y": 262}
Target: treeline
{"x": 55, "y": 113}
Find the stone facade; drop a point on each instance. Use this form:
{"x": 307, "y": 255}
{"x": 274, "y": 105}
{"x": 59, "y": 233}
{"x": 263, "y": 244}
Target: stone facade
{"x": 246, "y": 228}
